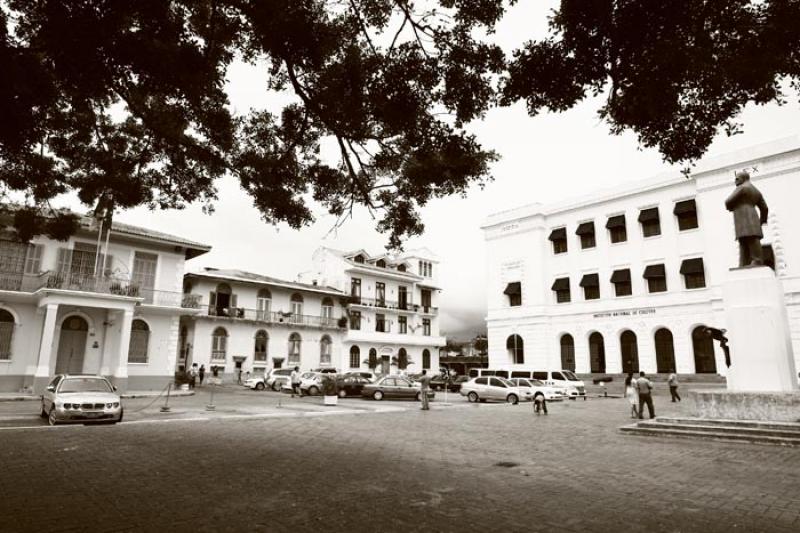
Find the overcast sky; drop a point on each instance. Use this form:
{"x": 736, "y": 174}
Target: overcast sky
{"x": 543, "y": 159}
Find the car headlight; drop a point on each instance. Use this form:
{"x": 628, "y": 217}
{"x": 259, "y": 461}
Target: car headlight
{"x": 116, "y": 404}
{"x": 109, "y": 405}
{"x": 65, "y": 406}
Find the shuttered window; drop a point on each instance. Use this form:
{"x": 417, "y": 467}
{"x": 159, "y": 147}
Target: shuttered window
{"x": 140, "y": 338}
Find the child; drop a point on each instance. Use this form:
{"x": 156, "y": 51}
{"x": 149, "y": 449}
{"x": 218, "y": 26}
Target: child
{"x": 539, "y": 404}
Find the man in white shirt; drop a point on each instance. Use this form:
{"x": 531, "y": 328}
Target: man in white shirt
{"x": 294, "y": 378}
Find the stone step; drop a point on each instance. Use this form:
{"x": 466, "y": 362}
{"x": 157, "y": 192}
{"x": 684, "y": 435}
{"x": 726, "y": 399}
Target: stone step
{"x": 793, "y": 427}
{"x": 741, "y": 430}
{"x": 714, "y": 432}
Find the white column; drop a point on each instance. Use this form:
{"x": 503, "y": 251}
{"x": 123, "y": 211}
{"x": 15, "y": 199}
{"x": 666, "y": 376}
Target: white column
{"x": 42, "y": 373}
{"x": 108, "y": 363}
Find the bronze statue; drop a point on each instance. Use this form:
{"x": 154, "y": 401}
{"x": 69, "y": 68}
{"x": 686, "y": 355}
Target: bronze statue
{"x": 719, "y": 336}
{"x": 747, "y": 222}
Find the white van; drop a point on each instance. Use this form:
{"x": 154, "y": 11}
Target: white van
{"x": 565, "y": 379}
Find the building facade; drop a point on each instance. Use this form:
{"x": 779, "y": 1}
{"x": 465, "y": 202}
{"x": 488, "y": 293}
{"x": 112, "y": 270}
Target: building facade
{"x": 393, "y": 313}
{"x": 626, "y": 279}
{"x": 252, "y": 323}
{"x": 107, "y": 305}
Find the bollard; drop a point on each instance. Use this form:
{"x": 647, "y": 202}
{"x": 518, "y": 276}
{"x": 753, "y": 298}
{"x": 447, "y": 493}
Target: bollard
{"x": 165, "y": 408}
{"x": 211, "y": 406}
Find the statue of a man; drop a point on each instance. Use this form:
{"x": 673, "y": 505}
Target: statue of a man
{"x": 747, "y": 222}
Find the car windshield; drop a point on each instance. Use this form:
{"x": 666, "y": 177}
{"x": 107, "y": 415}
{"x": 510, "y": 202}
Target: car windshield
{"x": 570, "y": 375}
{"x": 85, "y": 385}
{"x": 507, "y": 382}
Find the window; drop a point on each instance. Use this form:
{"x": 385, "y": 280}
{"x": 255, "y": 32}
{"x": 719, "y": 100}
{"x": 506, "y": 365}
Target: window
{"x": 260, "y": 346}
{"x": 263, "y": 304}
{"x": 401, "y": 267}
{"x": 516, "y": 350}
{"x": 693, "y": 273}
{"x": 13, "y": 257}
{"x": 561, "y": 288}
{"x": 650, "y": 221}
{"x": 402, "y": 297}
{"x": 656, "y": 276}
{"x": 355, "y": 288}
{"x": 380, "y": 263}
{"x": 6, "y": 334}
{"x": 355, "y": 357}
{"x": 380, "y": 294}
{"x": 514, "y": 293}
{"x": 425, "y": 269}
{"x": 497, "y": 382}
{"x": 297, "y": 307}
{"x": 567, "y": 344}
{"x": 380, "y": 323}
{"x": 327, "y": 312}
{"x": 559, "y": 239}
{"x": 355, "y": 320}
{"x": 686, "y": 212}
{"x": 140, "y": 338}
{"x": 482, "y": 381}
{"x": 373, "y": 358}
{"x": 144, "y": 274}
{"x": 402, "y": 324}
{"x": 402, "y": 359}
{"x": 586, "y": 232}
{"x": 359, "y": 258}
{"x": 325, "y": 345}
{"x": 425, "y": 299}
{"x": 426, "y": 326}
{"x": 617, "y": 230}
{"x": 219, "y": 344}
{"x": 622, "y": 282}
{"x": 294, "y": 348}
{"x": 33, "y": 259}
{"x": 591, "y": 286}
{"x": 426, "y": 359}
{"x": 222, "y": 301}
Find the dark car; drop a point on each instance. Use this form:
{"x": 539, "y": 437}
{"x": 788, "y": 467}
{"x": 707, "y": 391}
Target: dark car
{"x": 455, "y": 383}
{"x": 439, "y": 382}
{"x": 351, "y": 385}
{"x": 394, "y": 387}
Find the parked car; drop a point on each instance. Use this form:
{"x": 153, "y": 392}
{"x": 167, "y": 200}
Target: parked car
{"x": 311, "y": 383}
{"x": 81, "y": 398}
{"x": 539, "y": 388}
{"x": 494, "y": 388}
{"x": 371, "y": 376}
{"x": 456, "y": 383}
{"x": 351, "y": 385}
{"x": 394, "y": 387}
{"x": 439, "y": 382}
{"x": 256, "y": 382}
{"x": 326, "y": 370}
{"x": 279, "y": 378}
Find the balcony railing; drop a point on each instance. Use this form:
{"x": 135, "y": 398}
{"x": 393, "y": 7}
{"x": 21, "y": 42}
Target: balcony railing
{"x": 274, "y": 317}
{"x": 392, "y": 304}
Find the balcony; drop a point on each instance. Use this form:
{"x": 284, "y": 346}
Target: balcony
{"x": 391, "y": 304}
{"x": 274, "y": 317}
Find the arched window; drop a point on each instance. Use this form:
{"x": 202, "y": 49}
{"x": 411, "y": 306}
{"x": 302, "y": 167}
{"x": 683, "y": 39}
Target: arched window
{"x": 402, "y": 359}
{"x": 703, "y": 346}
{"x": 327, "y": 312}
{"x": 426, "y": 359}
{"x": 567, "y": 352}
{"x": 355, "y": 357}
{"x": 325, "y": 345}
{"x": 597, "y": 353}
{"x": 222, "y": 301}
{"x": 401, "y": 267}
{"x": 373, "y": 358}
{"x": 294, "y": 348}
{"x": 263, "y": 304}
{"x": 219, "y": 344}
{"x": 260, "y": 346}
{"x": 516, "y": 350}
{"x": 140, "y": 338}
{"x": 665, "y": 351}
{"x": 380, "y": 263}
{"x": 629, "y": 351}
{"x": 297, "y": 307}
{"x": 6, "y": 334}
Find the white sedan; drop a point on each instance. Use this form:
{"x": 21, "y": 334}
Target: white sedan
{"x": 81, "y": 398}
{"x": 549, "y": 392}
{"x": 494, "y": 388}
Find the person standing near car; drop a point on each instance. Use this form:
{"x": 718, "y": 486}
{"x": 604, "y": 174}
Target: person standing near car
{"x": 201, "y": 373}
{"x": 295, "y": 381}
{"x": 193, "y": 375}
{"x": 672, "y": 381}
{"x": 645, "y": 388}
{"x": 425, "y": 386}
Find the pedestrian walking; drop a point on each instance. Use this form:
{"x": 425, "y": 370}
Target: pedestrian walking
{"x": 425, "y": 386}
{"x": 645, "y": 388}
{"x": 672, "y": 380}
{"x": 295, "y": 380}
{"x": 193, "y": 375}
{"x": 201, "y": 373}
{"x": 239, "y": 377}
{"x": 632, "y": 394}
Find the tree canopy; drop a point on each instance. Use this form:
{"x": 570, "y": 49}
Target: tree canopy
{"x": 125, "y": 103}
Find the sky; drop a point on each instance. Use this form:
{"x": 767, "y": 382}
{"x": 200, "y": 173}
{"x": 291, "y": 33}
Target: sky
{"x": 544, "y": 159}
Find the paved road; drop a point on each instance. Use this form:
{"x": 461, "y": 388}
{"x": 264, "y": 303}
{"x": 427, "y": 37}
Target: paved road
{"x": 407, "y": 470}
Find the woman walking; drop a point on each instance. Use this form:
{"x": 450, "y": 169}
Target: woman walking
{"x": 632, "y": 394}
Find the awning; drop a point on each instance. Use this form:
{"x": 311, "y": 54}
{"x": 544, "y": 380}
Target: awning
{"x": 621, "y": 276}
{"x": 561, "y": 284}
{"x": 655, "y": 271}
{"x": 558, "y": 234}
{"x": 590, "y": 280}
{"x": 513, "y": 288}
{"x": 685, "y": 207}
{"x": 586, "y": 228}
{"x": 648, "y": 215}
{"x": 616, "y": 222}
{"x": 692, "y": 266}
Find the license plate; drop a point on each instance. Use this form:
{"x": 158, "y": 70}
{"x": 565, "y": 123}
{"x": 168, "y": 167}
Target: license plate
{"x": 93, "y": 414}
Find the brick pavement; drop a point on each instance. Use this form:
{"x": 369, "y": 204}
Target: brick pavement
{"x": 412, "y": 470}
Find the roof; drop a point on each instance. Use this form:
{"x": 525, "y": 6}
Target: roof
{"x": 369, "y": 263}
{"x": 193, "y": 248}
{"x": 251, "y": 277}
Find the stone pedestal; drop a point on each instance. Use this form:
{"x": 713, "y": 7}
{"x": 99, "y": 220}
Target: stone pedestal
{"x": 758, "y": 332}
{"x": 733, "y": 405}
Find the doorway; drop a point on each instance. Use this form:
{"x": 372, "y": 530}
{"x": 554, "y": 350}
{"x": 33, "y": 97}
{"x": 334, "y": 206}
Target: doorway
{"x": 597, "y": 353}
{"x": 71, "y": 345}
{"x": 385, "y": 365}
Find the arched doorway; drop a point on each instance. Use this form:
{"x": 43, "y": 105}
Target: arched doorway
{"x": 402, "y": 359}
{"x": 703, "y": 345}
{"x": 630, "y": 352}
{"x": 373, "y": 359}
{"x": 597, "y": 353}
{"x": 567, "y": 352}
{"x": 665, "y": 351}
{"x": 71, "y": 345}
{"x": 516, "y": 350}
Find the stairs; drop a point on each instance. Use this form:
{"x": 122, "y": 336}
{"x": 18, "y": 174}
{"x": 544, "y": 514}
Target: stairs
{"x": 749, "y": 431}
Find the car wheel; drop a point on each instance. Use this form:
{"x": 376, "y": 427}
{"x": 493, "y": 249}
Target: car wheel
{"x": 276, "y": 386}
{"x": 342, "y": 393}
{"x": 378, "y": 395}
{"x": 259, "y": 386}
{"x": 52, "y": 417}
{"x": 118, "y": 420}
{"x": 313, "y": 391}
{"x": 513, "y": 399}
{"x": 473, "y": 397}
{"x": 43, "y": 413}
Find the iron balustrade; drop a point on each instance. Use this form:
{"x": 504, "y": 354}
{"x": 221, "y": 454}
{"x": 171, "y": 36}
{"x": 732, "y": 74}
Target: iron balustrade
{"x": 275, "y": 317}
{"x": 392, "y": 304}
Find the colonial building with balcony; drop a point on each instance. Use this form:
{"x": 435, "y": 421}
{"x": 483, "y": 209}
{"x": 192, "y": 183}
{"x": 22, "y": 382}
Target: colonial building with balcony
{"x": 108, "y": 304}
{"x": 251, "y": 323}
{"x": 392, "y": 309}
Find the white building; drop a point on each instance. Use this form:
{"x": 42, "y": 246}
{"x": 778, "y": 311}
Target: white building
{"x": 393, "y": 307}
{"x": 622, "y": 279}
{"x": 64, "y": 309}
{"x": 252, "y": 323}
